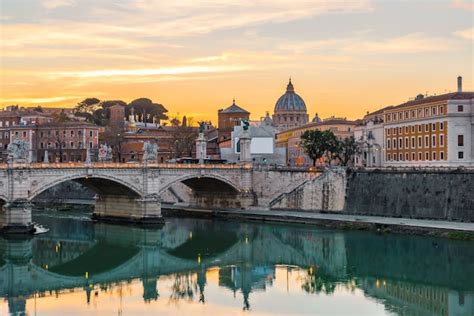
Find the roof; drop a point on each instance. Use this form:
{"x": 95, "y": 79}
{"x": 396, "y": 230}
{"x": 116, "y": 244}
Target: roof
{"x": 329, "y": 121}
{"x": 234, "y": 108}
{"x": 435, "y": 98}
{"x": 290, "y": 101}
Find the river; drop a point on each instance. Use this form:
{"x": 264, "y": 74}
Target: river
{"x": 206, "y": 267}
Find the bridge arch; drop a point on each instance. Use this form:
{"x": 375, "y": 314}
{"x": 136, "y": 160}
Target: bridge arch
{"x": 102, "y": 184}
{"x": 206, "y": 182}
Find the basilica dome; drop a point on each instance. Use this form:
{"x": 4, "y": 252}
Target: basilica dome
{"x": 290, "y": 101}
{"x": 290, "y": 110}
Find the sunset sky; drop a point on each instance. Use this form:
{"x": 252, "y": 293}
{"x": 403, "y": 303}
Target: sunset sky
{"x": 194, "y": 56}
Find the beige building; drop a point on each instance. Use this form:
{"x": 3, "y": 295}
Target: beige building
{"x": 291, "y": 138}
{"x": 431, "y": 131}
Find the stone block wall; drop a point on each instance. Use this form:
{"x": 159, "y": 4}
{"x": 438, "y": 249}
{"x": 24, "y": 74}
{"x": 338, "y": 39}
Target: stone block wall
{"x": 325, "y": 192}
{"x": 447, "y": 195}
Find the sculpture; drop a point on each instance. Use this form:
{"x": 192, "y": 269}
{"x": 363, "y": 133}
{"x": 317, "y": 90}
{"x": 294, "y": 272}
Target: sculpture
{"x": 245, "y": 125}
{"x": 105, "y": 153}
{"x": 150, "y": 151}
{"x": 18, "y": 149}
{"x": 201, "y": 127}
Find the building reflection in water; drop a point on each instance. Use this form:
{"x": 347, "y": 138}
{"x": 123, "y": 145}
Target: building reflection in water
{"x": 240, "y": 259}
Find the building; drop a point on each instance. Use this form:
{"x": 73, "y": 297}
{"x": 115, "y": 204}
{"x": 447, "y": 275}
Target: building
{"x": 290, "y": 110}
{"x": 228, "y": 118}
{"x": 62, "y": 141}
{"x": 369, "y": 134}
{"x": 431, "y": 131}
{"x": 291, "y": 139}
{"x": 263, "y": 147}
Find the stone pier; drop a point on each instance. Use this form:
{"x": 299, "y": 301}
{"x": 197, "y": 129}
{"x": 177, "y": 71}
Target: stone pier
{"x": 15, "y": 217}
{"x": 119, "y": 208}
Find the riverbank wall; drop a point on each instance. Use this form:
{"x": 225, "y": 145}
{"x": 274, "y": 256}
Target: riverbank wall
{"x": 430, "y": 194}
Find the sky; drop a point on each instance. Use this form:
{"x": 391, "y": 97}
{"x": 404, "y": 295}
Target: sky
{"x": 194, "y": 56}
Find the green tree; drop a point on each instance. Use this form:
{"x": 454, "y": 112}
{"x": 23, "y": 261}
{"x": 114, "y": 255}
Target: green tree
{"x": 147, "y": 109}
{"x": 318, "y": 144}
{"x": 347, "y": 148}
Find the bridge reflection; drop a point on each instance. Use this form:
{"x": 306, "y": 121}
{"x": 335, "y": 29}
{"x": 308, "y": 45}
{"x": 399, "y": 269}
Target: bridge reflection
{"x": 409, "y": 275}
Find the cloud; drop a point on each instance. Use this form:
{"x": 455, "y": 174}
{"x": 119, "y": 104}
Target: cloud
{"x": 466, "y": 34}
{"x": 180, "y": 70}
{"x": 406, "y": 44}
{"x": 463, "y": 4}
{"x": 39, "y": 100}
{"x": 53, "y": 4}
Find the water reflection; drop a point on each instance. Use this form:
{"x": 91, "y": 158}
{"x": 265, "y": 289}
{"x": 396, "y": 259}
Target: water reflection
{"x": 227, "y": 267}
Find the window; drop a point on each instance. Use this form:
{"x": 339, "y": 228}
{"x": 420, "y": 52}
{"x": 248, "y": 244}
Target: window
{"x": 394, "y": 143}
{"x": 433, "y": 110}
{"x": 433, "y": 127}
{"x": 460, "y": 108}
{"x": 419, "y": 156}
{"x": 433, "y": 141}
{"x": 400, "y": 115}
{"x": 406, "y": 143}
{"x": 90, "y": 144}
{"x": 441, "y": 155}
{"x": 427, "y": 112}
{"x": 399, "y": 130}
{"x": 460, "y": 155}
{"x": 16, "y": 134}
{"x": 441, "y": 126}
{"x": 406, "y": 114}
{"x": 389, "y": 117}
{"x": 406, "y": 157}
{"x": 389, "y": 157}
{"x": 24, "y": 134}
{"x": 434, "y": 155}
{"x": 71, "y": 144}
{"x": 400, "y": 157}
{"x": 441, "y": 110}
{"x": 388, "y": 131}
{"x": 400, "y": 143}
{"x": 427, "y": 128}
{"x": 412, "y": 156}
{"x": 79, "y": 133}
{"x": 419, "y": 142}
{"x": 413, "y": 142}
{"x": 91, "y": 133}
{"x": 419, "y": 128}
{"x": 41, "y": 145}
{"x": 420, "y": 113}
{"x": 427, "y": 140}
{"x": 441, "y": 140}
{"x": 406, "y": 129}
{"x": 413, "y": 128}
{"x": 72, "y": 133}
{"x": 461, "y": 140}
{"x": 427, "y": 156}
{"x": 388, "y": 143}
{"x": 394, "y": 131}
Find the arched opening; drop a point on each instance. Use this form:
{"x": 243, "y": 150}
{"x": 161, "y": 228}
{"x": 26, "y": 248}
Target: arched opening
{"x": 206, "y": 192}
{"x": 82, "y": 189}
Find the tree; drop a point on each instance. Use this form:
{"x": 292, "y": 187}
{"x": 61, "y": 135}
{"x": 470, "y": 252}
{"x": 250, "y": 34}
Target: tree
{"x": 318, "y": 144}
{"x": 347, "y": 148}
{"x": 183, "y": 137}
{"x": 147, "y": 109}
{"x": 60, "y": 117}
{"x": 95, "y": 111}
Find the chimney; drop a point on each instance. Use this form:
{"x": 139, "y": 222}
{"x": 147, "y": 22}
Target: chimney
{"x": 459, "y": 84}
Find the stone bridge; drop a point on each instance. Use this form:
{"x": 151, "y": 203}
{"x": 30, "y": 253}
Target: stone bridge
{"x": 133, "y": 192}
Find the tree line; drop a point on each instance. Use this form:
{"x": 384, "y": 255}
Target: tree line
{"x": 324, "y": 144}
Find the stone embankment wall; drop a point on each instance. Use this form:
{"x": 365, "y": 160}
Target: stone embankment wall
{"x": 324, "y": 192}
{"x": 437, "y": 194}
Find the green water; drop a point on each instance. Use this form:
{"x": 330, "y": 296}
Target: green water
{"x": 205, "y": 267}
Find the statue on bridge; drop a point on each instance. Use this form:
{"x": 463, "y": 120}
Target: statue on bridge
{"x": 18, "y": 149}
{"x": 105, "y": 153}
{"x": 150, "y": 151}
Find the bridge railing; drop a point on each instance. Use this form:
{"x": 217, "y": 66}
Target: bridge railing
{"x": 118, "y": 165}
